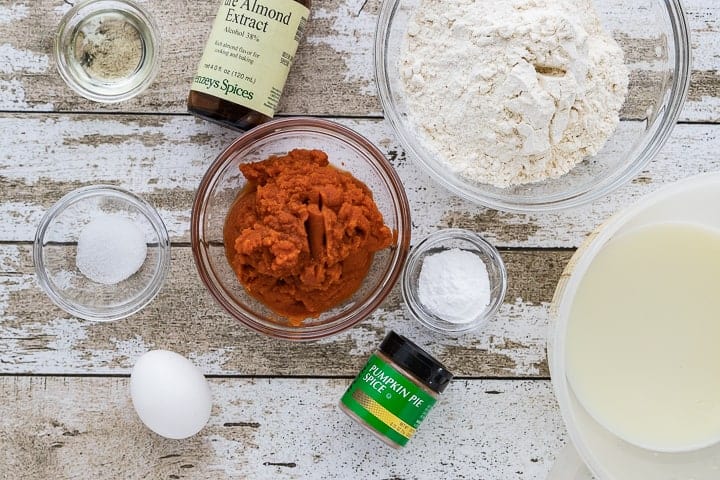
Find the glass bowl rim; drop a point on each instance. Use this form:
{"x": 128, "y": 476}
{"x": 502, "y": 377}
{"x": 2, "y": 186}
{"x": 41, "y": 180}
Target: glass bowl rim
{"x": 61, "y": 58}
{"x": 151, "y": 289}
{"x": 653, "y": 142}
{"x": 438, "y": 238}
{"x": 400, "y": 205}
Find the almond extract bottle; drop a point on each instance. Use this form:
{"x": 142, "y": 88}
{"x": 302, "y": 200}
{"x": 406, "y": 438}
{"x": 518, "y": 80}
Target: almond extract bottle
{"x": 246, "y": 61}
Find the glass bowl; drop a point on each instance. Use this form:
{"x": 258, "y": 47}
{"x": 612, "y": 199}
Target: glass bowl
{"x": 654, "y": 38}
{"x": 443, "y": 240}
{"x": 55, "y": 250}
{"x": 691, "y": 201}
{"x": 113, "y": 71}
{"x": 223, "y": 181}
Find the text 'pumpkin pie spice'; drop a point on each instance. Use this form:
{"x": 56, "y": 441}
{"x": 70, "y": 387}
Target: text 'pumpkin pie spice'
{"x": 395, "y": 390}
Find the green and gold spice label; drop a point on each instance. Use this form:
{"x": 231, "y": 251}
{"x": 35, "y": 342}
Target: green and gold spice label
{"x": 249, "y": 52}
{"x": 389, "y": 402}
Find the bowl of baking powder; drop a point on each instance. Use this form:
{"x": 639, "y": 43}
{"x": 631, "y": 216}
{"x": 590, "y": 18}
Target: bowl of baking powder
{"x": 454, "y": 281}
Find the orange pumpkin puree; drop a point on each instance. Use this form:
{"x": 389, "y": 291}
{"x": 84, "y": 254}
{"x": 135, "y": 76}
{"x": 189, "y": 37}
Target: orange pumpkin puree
{"x": 301, "y": 236}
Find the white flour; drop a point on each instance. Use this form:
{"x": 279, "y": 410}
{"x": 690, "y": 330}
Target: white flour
{"x": 515, "y": 91}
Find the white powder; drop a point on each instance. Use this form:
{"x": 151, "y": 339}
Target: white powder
{"x": 515, "y": 91}
{"x": 454, "y": 285}
{"x": 110, "y": 249}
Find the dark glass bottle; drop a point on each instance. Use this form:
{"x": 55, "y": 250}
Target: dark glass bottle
{"x": 246, "y": 61}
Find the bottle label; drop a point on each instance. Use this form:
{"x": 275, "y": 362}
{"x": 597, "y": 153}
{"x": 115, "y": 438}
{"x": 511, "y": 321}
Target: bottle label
{"x": 249, "y": 52}
{"x": 387, "y": 401}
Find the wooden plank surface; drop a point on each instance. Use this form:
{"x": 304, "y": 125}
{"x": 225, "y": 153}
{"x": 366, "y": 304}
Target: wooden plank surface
{"x": 275, "y": 412}
{"x": 333, "y": 74}
{"x": 273, "y": 428}
{"x": 38, "y": 338}
{"x": 163, "y": 159}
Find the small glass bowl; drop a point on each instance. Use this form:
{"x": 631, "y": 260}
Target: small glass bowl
{"x": 223, "y": 181}
{"x": 55, "y": 248}
{"x": 445, "y": 240}
{"x": 94, "y": 20}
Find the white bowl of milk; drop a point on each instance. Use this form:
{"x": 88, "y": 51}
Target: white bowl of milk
{"x": 634, "y": 348}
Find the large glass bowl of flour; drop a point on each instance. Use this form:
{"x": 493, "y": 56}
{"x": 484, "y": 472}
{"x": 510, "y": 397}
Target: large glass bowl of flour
{"x": 476, "y": 124}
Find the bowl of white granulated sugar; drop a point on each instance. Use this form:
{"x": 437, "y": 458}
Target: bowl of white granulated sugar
{"x": 101, "y": 253}
{"x": 532, "y": 105}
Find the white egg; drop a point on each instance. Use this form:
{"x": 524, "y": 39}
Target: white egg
{"x": 170, "y": 394}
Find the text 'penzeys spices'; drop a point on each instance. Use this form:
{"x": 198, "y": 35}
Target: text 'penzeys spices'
{"x": 395, "y": 390}
{"x": 246, "y": 61}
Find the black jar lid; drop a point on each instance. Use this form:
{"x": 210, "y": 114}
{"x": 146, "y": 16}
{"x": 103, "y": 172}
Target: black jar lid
{"x": 415, "y": 360}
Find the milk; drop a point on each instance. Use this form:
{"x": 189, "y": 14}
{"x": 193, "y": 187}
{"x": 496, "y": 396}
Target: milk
{"x": 643, "y": 340}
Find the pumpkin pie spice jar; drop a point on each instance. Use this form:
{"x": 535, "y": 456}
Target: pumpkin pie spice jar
{"x": 395, "y": 390}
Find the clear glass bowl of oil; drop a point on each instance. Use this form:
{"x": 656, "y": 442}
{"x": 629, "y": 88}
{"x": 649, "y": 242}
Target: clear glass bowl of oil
{"x": 107, "y": 50}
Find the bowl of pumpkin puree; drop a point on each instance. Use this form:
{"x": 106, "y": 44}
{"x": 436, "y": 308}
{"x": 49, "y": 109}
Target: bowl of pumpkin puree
{"x": 300, "y": 228}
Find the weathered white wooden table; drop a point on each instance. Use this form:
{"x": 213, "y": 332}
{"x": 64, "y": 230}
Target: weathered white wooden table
{"x": 64, "y": 405}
